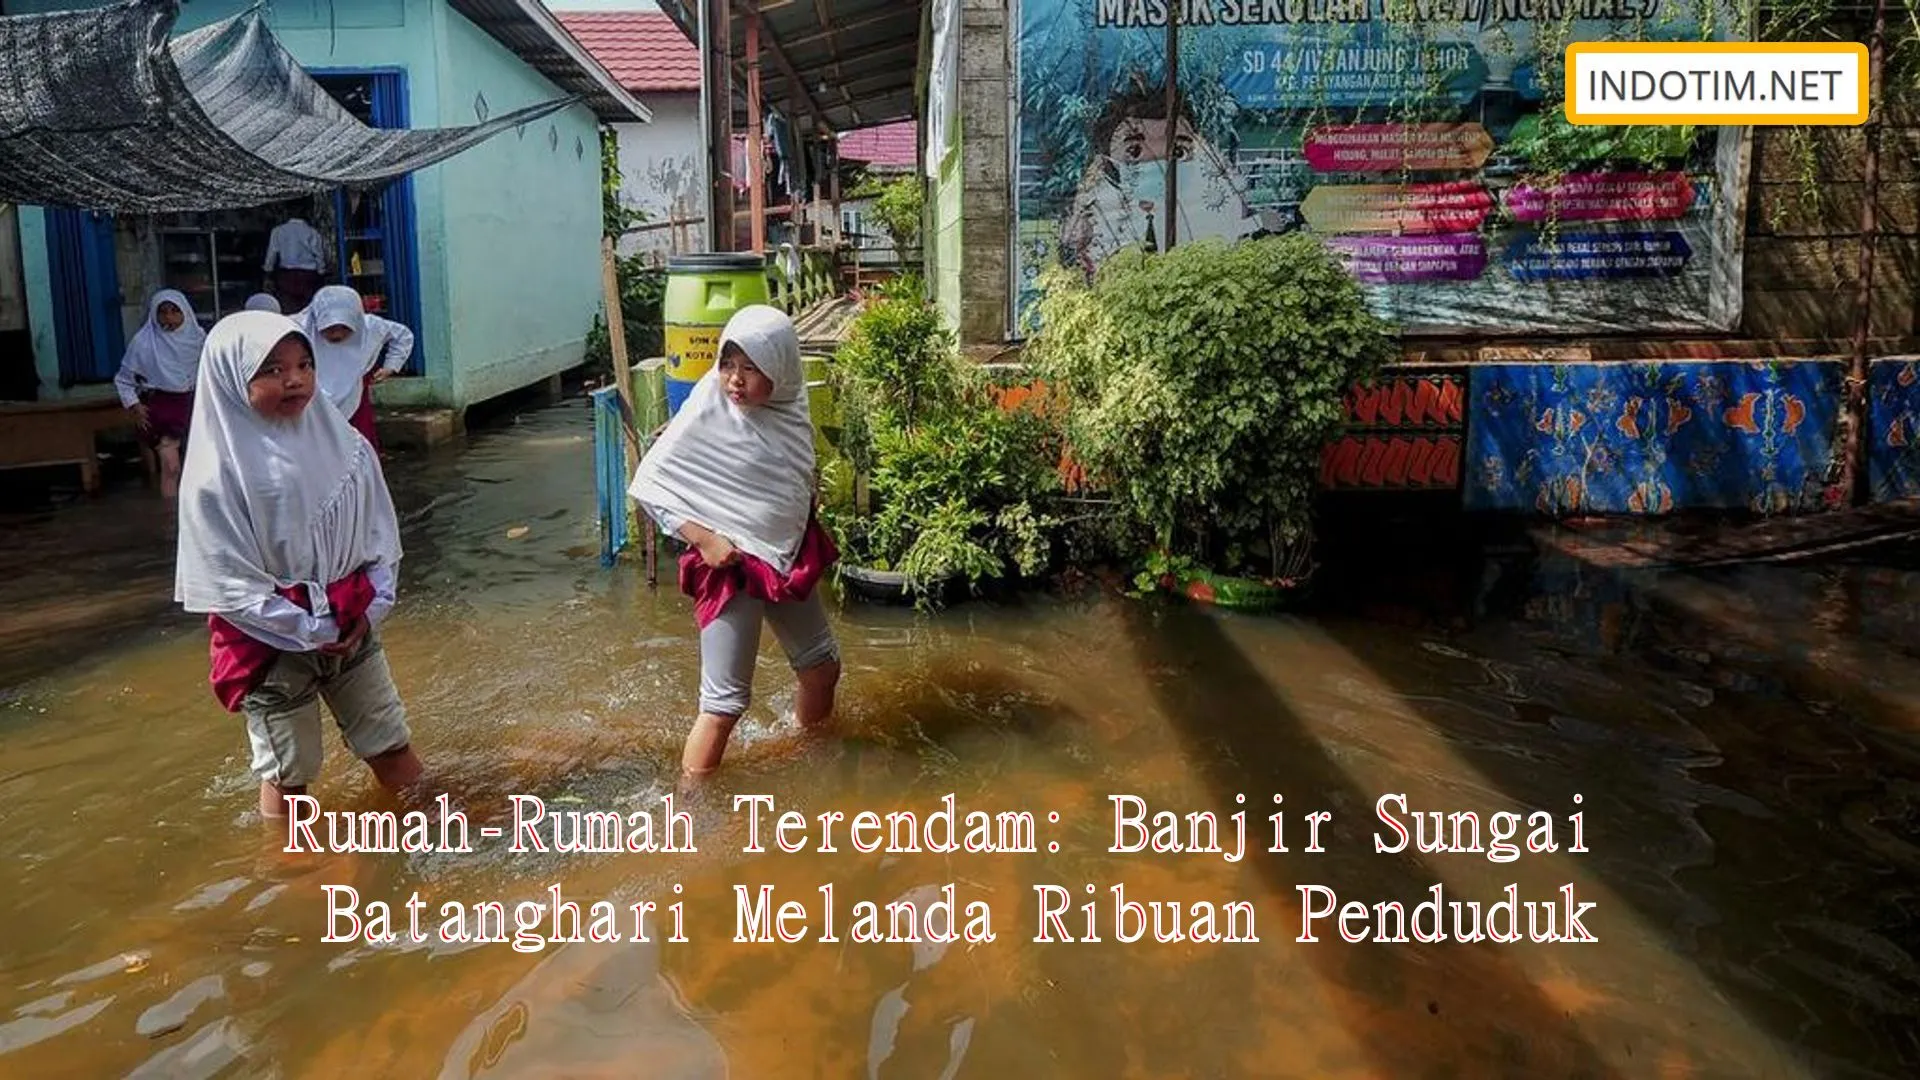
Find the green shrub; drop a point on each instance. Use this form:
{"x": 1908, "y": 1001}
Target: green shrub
{"x": 1202, "y": 385}
{"x": 898, "y": 209}
{"x": 957, "y": 486}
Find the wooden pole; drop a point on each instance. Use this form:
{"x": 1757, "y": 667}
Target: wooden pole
{"x": 1853, "y": 444}
{"x": 833, "y": 192}
{"x": 756, "y": 153}
{"x": 617, "y": 337}
{"x": 1173, "y": 122}
{"x": 718, "y": 78}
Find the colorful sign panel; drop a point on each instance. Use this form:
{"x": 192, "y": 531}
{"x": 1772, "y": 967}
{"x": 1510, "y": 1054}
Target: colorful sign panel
{"x": 1423, "y": 139}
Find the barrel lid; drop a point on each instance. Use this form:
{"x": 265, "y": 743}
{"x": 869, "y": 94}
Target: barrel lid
{"x": 716, "y": 261}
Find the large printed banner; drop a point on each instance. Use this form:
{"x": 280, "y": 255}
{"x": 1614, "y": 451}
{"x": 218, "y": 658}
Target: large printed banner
{"x": 1423, "y": 139}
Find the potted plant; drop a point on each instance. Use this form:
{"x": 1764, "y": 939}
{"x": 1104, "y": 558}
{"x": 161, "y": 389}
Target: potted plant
{"x": 950, "y": 489}
{"x": 1201, "y": 386}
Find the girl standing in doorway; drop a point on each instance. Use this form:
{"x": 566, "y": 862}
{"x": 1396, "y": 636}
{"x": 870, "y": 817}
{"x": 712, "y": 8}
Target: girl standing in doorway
{"x": 354, "y": 350}
{"x": 157, "y": 377}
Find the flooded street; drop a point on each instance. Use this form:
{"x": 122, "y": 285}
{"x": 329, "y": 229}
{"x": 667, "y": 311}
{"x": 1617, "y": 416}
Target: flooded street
{"x": 1738, "y": 751}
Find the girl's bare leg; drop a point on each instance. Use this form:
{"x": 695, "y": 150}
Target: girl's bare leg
{"x": 814, "y": 706}
{"x": 398, "y": 770}
{"x": 273, "y": 800}
{"x": 169, "y": 454}
{"x": 706, "y": 743}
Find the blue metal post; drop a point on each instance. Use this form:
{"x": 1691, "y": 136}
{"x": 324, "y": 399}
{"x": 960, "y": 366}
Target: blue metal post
{"x": 609, "y": 472}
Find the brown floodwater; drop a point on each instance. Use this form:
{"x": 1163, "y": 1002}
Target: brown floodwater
{"x": 1741, "y": 749}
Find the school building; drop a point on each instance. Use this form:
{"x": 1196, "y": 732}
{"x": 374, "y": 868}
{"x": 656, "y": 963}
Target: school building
{"x": 492, "y": 256}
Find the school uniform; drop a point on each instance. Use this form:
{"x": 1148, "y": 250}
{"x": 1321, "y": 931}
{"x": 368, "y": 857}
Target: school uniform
{"x": 346, "y": 370}
{"x": 296, "y": 258}
{"x": 288, "y": 537}
{"x": 748, "y": 475}
{"x": 160, "y": 368}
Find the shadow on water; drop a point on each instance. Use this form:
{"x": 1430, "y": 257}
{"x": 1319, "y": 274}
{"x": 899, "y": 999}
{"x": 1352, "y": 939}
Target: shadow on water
{"x": 1710, "y": 739}
{"x": 1244, "y": 739}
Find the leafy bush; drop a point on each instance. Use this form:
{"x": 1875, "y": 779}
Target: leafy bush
{"x": 616, "y": 217}
{"x": 1202, "y": 385}
{"x": 898, "y": 365}
{"x": 643, "y": 291}
{"x": 956, "y": 483}
{"x": 899, "y": 206}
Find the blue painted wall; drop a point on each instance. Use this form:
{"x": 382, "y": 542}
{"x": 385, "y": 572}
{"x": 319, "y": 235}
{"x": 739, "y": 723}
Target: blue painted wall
{"x": 1651, "y": 438}
{"x": 507, "y": 234}
{"x": 521, "y": 223}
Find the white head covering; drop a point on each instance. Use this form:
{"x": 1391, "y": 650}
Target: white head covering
{"x": 341, "y": 366}
{"x": 267, "y": 502}
{"x": 168, "y": 360}
{"x": 263, "y": 302}
{"x": 747, "y": 474}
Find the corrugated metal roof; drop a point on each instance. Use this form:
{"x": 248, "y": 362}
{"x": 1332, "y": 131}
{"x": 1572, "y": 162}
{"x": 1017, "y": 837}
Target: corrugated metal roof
{"x": 533, "y": 33}
{"x": 856, "y": 59}
{"x": 643, "y": 50}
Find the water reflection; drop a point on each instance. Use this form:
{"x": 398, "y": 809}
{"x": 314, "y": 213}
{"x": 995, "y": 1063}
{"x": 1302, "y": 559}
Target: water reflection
{"x": 1742, "y": 739}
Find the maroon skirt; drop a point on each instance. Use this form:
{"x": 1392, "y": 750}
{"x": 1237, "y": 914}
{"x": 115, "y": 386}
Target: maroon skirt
{"x": 169, "y": 413}
{"x": 295, "y": 288}
{"x": 362, "y": 418}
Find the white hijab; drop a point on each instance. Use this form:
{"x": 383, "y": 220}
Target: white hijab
{"x": 168, "y": 360}
{"x": 263, "y": 302}
{"x": 746, "y": 474}
{"x": 264, "y": 502}
{"x": 342, "y": 366}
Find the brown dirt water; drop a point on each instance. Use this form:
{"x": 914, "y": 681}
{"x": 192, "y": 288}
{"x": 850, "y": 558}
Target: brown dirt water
{"x": 1744, "y": 745}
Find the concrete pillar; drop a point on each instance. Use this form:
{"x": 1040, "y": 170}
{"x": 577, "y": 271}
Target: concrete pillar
{"x": 986, "y": 225}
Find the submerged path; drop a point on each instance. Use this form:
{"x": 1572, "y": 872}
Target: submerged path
{"x": 1742, "y": 741}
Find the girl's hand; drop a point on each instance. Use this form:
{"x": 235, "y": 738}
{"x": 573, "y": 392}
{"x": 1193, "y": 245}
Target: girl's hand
{"x": 382, "y": 374}
{"x": 141, "y": 419}
{"x": 717, "y": 551}
{"x": 349, "y": 641}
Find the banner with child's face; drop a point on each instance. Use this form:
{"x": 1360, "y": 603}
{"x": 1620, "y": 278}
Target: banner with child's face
{"x": 1423, "y": 139}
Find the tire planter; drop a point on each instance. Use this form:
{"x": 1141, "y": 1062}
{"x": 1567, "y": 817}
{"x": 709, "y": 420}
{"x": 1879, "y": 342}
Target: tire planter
{"x": 890, "y": 586}
{"x": 1234, "y": 593}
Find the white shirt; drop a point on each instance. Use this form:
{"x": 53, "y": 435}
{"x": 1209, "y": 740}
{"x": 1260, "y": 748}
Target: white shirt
{"x": 295, "y": 245}
{"x": 288, "y": 627}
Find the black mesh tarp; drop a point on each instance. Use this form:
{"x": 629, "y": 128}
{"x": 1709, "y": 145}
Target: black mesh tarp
{"x": 99, "y": 110}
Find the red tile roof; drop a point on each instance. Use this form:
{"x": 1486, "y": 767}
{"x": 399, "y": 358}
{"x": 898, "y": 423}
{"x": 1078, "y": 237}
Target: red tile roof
{"x": 644, "y": 50}
{"x": 886, "y": 146}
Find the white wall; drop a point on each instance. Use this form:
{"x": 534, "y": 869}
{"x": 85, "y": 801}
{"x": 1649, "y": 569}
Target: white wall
{"x": 659, "y": 163}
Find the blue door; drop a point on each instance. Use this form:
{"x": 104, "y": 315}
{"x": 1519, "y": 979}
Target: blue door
{"x": 377, "y": 254}
{"x": 86, "y": 295}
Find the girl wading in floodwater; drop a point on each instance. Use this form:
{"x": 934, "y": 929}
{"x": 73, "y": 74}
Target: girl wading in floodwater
{"x": 733, "y": 476}
{"x": 290, "y": 547}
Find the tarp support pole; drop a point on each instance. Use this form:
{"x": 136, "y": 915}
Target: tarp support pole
{"x": 717, "y": 78}
{"x": 756, "y": 156}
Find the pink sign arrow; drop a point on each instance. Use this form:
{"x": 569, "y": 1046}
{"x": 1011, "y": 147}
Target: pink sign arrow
{"x": 1605, "y": 197}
